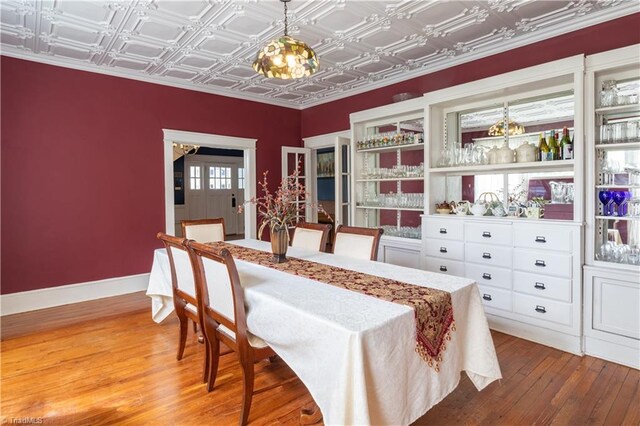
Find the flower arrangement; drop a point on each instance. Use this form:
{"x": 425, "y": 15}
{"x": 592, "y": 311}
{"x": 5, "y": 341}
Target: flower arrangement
{"x": 282, "y": 209}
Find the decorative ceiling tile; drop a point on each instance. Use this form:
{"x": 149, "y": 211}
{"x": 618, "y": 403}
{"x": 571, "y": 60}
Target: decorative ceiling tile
{"x": 209, "y": 45}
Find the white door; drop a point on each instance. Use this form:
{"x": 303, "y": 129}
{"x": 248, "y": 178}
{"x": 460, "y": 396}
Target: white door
{"x": 195, "y": 191}
{"x": 299, "y": 157}
{"x": 219, "y": 193}
{"x": 215, "y": 188}
{"x": 343, "y": 181}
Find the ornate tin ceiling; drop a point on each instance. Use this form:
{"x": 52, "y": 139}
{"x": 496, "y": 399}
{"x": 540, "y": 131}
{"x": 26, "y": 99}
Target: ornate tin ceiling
{"x": 209, "y": 45}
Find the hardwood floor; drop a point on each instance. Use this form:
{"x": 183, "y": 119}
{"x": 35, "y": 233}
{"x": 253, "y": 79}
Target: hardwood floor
{"x": 106, "y": 362}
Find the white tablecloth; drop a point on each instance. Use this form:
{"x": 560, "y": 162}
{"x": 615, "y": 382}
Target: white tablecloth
{"x": 355, "y": 353}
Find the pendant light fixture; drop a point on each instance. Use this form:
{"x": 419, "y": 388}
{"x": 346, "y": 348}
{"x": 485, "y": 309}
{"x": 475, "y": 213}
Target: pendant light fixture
{"x": 286, "y": 57}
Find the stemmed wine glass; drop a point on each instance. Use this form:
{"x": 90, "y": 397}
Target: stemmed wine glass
{"x": 605, "y": 197}
{"x": 619, "y": 197}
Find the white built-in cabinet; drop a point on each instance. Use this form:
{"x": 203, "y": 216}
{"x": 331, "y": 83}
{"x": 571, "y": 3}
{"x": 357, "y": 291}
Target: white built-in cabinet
{"x": 612, "y": 282}
{"x": 528, "y": 273}
{"x": 538, "y": 277}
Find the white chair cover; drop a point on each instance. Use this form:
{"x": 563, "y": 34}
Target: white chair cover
{"x": 205, "y": 233}
{"x": 353, "y": 245}
{"x": 307, "y": 238}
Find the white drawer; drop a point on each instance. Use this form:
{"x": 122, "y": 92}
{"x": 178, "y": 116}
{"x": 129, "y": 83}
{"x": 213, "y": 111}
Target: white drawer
{"x": 445, "y": 266}
{"x": 542, "y": 286}
{"x": 495, "y": 298}
{"x": 543, "y": 237}
{"x": 446, "y": 249}
{"x": 542, "y": 262}
{"x": 544, "y": 309}
{"x": 488, "y": 275}
{"x": 487, "y": 254}
{"x": 488, "y": 233}
{"x": 443, "y": 229}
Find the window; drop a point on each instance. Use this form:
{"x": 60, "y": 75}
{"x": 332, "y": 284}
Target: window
{"x": 219, "y": 177}
{"x": 194, "y": 177}
{"x": 240, "y": 177}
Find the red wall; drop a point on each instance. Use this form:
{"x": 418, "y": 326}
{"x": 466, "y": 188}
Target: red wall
{"x": 334, "y": 116}
{"x": 82, "y": 167}
{"x": 82, "y": 159}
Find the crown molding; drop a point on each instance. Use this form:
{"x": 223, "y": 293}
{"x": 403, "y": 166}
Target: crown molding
{"x": 164, "y": 81}
{"x": 516, "y": 42}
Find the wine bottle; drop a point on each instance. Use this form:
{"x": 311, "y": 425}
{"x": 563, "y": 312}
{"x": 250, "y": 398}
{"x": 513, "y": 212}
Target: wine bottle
{"x": 554, "y": 149}
{"x": 543, "y": 148}
{"x": 567, "y": 145}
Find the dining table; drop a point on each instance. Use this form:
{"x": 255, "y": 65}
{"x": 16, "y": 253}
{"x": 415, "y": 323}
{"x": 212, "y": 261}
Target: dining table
{"x": 355, "y": 353}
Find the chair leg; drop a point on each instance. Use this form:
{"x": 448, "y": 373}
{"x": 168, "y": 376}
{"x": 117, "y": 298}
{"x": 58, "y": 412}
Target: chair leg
{"x": 247, "y": 376}
{"x": 195, "y": 327}
{"x": 205, "y": 367}
{"x": 214, "y": 357}
{"x": 184, "y": 325}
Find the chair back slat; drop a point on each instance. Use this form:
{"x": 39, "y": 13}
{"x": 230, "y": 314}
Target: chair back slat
{"x": 204, "y": 230}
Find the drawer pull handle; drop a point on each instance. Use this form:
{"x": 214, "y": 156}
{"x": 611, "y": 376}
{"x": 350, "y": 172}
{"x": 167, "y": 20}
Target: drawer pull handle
{"x": 486, "y": 296}
{"x": 541, "y": 239}
{"x": 541, "y": 309}
{"x": 486, "y": 276}
{"x": 443, "y": 249}
{"x": 541, "y": 263}
{"x": 540, "y": 286}
{"x": 443, "y": 268}
{"x": 486, "y": 234}
{"x": 443, "y": 230}
{"x": 486, "y": 255}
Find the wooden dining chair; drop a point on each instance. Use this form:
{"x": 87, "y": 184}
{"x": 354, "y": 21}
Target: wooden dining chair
{"x": 360, "y": 243}
{"x": 313, "y": 236}
{"x": 185, "y": 291}
{"x": 204, "y": 230}
{"x": 223, "y": 317}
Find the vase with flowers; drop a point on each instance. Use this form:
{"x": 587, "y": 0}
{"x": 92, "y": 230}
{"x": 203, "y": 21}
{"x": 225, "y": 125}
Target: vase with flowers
{"x": 282, "y": 209}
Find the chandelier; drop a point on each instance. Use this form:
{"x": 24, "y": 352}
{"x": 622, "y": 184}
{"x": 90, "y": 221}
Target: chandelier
{"x": 185, "y": 149}
{"x": 286, "y": 57}
{"x": 498, "y": 128}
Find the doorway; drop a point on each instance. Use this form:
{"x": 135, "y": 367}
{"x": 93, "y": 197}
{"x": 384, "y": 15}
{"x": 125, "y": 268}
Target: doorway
{"x": 242, "y": 177}
{"x": 214, "y": 182}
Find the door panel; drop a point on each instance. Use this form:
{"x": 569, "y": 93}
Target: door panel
{"x": 291, "y": 157}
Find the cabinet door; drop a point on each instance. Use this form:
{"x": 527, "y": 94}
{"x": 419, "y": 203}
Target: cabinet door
{"x": 399, "y": 256}
{"x": 616, "y": 307}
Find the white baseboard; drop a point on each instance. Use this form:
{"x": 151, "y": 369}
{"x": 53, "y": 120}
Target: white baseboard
{"x": 33, "y": 300}
{"x": 614, "y": 352}
{"x": 555, "y": 339}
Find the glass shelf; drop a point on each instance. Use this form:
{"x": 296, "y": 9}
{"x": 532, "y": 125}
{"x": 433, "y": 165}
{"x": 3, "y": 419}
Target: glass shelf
{"x": 403, "y": 179}
{"x": 411, "y": 209}
{"x": 405, "y": 147}
{"x": 618, "y": 109}
{"x": 618, "y": 146}
{"x": 558, "y": 165}
{"x": 618, "y": 218}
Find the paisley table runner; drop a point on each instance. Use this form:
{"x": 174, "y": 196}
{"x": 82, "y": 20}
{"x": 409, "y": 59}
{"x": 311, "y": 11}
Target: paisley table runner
{"x": 433, "y": 309}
